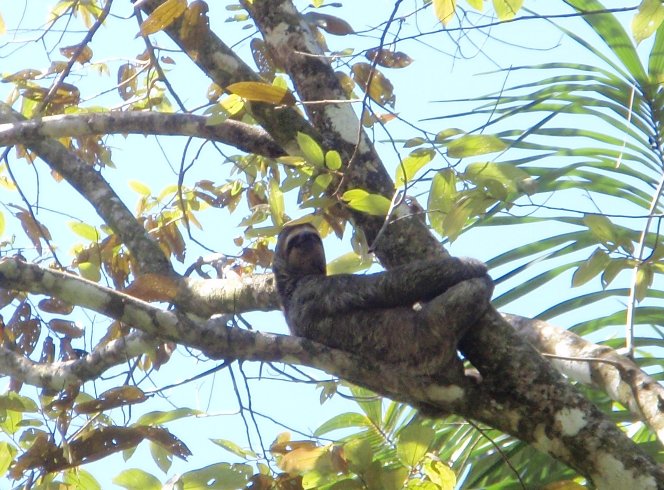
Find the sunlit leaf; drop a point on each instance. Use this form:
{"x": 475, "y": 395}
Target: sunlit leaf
{"x": 411, "y": 165}
{"x": 474, "y": 145}
{"x": 311, "y": 150}
{"x": 276, "y": 200}
{"x": 84, "y": 230}
{"x": 476, "y": 4}
{"x": 361, "y": 200}
{"x": 90, "y": 271}
{"x": 343, "y": 421}
{"x": 413, "y": 443}
{"x": 235, "y": 449}
{"x": 591, "y": 267}
{"x": 647, "y": 20}
{"x": 440, "y": 474}
{"x": 444, "y": 10}
{"x": 140, "y": 188}
{"x": 442, "y": 197}
{"x": 163, "y": 16}
{"x": 2, "y": 224}
{"x": 262, "y": 92}
{"x": 3, "y": 30}
{"x": 223, "y": 476}
{"x": 348, "y": 263}
{"x": 137, "y": 479}
{"x": 644, "y": 278}
{"x": 333, "y": 160}
{"x": 161, "y": 417}
{"x": 601, "y": 227}
{"x": 507, "y": 175}
{"x": 507, "y": 9}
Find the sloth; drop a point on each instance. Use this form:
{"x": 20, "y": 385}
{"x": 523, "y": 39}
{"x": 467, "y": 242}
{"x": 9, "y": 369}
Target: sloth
{"x": 411, "y": 316}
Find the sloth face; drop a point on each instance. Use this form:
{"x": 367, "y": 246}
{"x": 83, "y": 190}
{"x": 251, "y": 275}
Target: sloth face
{"x": 300, "y": 251}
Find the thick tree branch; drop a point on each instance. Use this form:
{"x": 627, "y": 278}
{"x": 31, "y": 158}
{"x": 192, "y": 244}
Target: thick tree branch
{"x": 245, "y": 137}
{"x": 577, "y": 432}
{"x": 598, "y": 366}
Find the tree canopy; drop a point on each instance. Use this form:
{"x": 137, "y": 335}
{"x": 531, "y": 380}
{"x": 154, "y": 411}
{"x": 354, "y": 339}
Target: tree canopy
{"x": 220, "y": 123}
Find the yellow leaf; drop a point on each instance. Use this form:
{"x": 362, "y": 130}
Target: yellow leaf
{"x": 262, "y": 92}
{"x": 507, "y": 9}
{"x": 140, "y": 187}
{"x": 647, "y": 20}
{"x": 444, "y": 10}
{"x": 3, "y": 28}
{"x": 476, "y": 4}
{"x": 163, "y": 16}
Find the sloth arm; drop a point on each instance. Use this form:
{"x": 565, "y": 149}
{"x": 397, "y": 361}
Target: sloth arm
{"x": 401, "y": 286}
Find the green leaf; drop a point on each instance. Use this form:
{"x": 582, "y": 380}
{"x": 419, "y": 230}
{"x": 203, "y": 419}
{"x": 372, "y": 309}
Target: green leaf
{"x": 311, "y": 150}
{"x": 333, "y": 160}
{"x": 343, "y": 421}
{"x": 656, "y": 59}
{"x": 509, "y": 176}
{"x": 440, "y": 474}
{"x": 474, "y": 145}
{"x": 413, "y": 443}
{"x": 17, "y": 403}
{"x": 7, "y": 453}
{"x": 276, "y": 200}
{"x": 613, "y": 34}
{"x": 90, "y": 271}
{"x": 348, "y": 263}
{"x": 85, "y": 230}
{"x": 220, "y": 476}
{"x": 359, "y": 454}
{"x": 136, "y": 479}
{"x": 457, "y": 218}
{"x": 601, "y": 228}
{"x": 321, "y": 183}
{"x": 235, "y": 449}
{"x": 647, "y": 20}
{"x": 361, "y": 200}
{"x": 411, "y": 164}
{"x": 591, "y": 267}
{"x": 370, "y": 403}
{"x": 161, "y": 417}
{"x": 80, "y": 478}
{"x": 507, "y": 9}
{"x": 446, "y": 134}
{"x": 442, "y": 197}
{"x": 644, "y": 277}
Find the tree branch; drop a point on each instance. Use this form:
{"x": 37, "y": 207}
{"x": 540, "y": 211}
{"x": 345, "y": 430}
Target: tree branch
{"x": 245, "y": 137}
{"x": 576, "y": 431}
{"x": 91, "y": 185}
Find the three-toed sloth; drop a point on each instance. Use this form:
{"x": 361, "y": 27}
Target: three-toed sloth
{"x": 411, "y": 316}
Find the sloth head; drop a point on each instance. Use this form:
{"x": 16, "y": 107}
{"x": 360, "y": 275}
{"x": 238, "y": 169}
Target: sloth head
{"x": 299, "y": 252}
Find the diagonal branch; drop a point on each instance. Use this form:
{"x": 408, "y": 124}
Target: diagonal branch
{"x": 91, "y": 185}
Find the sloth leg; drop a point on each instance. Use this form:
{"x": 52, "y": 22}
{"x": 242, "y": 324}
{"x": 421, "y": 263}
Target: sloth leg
{"x": 448, "y": 316}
